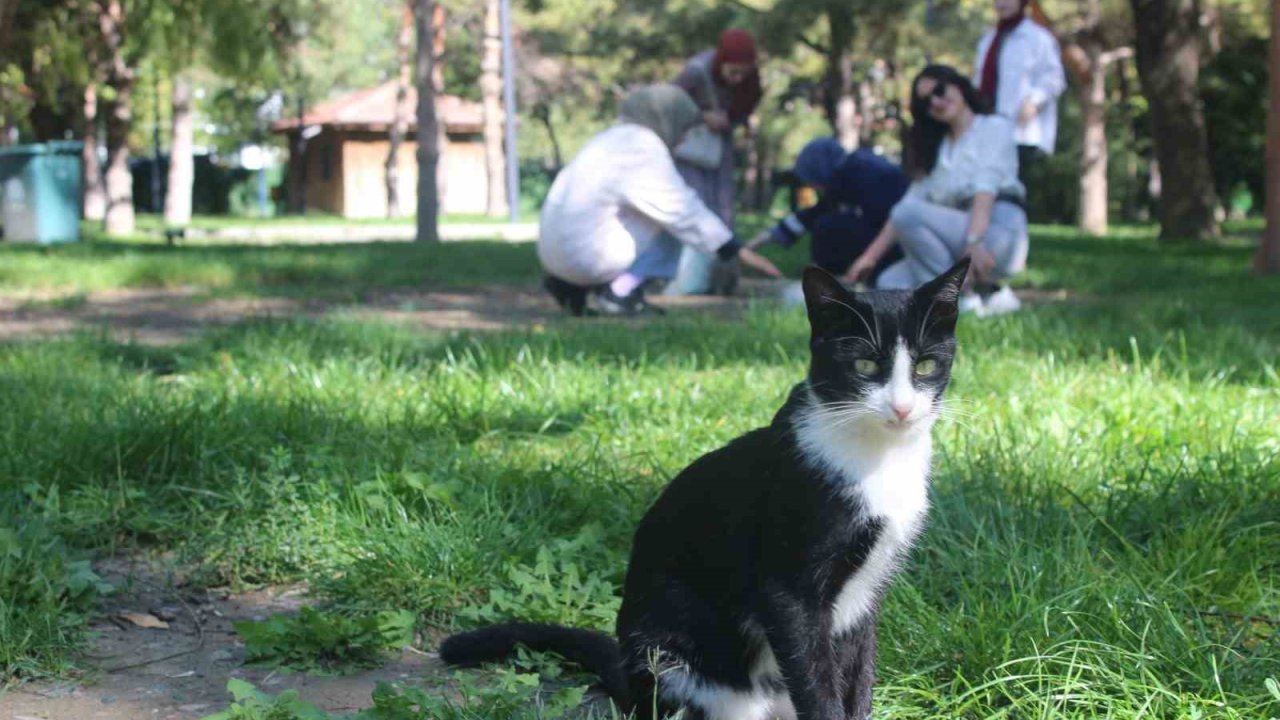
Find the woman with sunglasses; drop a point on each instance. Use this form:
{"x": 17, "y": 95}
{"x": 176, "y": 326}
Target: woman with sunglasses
{"x": 965, "y": 198}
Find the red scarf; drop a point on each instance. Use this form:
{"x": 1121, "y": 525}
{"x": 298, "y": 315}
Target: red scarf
{"x": 991, "y": 64}
{"x": 738, "y": 46}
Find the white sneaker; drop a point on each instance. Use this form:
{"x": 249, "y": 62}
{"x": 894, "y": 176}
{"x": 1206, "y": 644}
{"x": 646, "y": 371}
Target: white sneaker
{"x": 972, "y": 302}
{"x": 1002, "y": 301}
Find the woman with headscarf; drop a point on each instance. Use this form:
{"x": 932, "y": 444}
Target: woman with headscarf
{"x": 856, "y": 190}
{"x": 599, "y": 231}
{"x": 725, "y": 85}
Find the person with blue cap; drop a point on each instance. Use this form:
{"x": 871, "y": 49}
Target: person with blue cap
{"x": 856, "y": 190}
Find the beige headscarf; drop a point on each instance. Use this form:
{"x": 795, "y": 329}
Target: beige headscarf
{"x": 665, "y": 109}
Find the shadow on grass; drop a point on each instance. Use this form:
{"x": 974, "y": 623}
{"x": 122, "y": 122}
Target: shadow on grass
{"x": 337, "y": 270}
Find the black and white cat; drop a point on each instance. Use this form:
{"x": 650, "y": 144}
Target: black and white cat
{"x": 755, "y": 579}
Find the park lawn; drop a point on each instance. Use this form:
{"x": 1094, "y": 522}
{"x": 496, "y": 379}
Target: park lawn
{"x": 1105, "y": 533}
{"x": 328, "y": 271}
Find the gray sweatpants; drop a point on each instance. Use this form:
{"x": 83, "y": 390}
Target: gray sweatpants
{"x": 932, "y": 238}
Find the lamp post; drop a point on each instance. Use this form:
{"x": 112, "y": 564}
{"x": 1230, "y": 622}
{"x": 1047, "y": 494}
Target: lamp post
{"x": 509, "y": 105}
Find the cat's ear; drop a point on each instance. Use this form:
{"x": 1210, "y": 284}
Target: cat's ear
{"x": 940, "y": 298}
{"x": 828, "y": 302}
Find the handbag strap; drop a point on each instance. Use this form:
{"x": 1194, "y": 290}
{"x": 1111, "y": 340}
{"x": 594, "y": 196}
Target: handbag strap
{"x": 711, "y": 86}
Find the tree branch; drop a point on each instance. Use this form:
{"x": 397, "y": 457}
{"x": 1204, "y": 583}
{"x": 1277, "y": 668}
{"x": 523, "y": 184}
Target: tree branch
{"x": 743, "y": 5}
{"x": 814, "y": 46}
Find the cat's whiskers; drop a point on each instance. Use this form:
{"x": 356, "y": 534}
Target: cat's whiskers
{"x": 874, "y": 333}
{"x": 954, "y": 408}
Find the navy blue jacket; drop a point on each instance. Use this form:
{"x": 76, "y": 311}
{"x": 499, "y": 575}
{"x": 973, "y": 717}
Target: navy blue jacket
{"x": 863, "y": 183}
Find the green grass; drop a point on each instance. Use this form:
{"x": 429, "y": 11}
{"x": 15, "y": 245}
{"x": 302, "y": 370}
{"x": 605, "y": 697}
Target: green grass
{"x": 1104, "y": 540}
{"x": 153, "y": 223}
{"x": 313, "y": 270}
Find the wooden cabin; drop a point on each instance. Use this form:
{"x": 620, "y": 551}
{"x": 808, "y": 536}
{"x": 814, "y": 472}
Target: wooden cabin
{"x": 348, "y": 140}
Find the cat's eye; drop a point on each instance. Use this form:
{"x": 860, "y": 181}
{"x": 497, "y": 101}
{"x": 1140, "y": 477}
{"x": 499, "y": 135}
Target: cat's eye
{"x": 926, "y": 367}
{"x": 865, "y": 366}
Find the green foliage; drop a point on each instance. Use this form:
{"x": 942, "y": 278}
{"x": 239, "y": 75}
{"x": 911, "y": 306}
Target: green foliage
{"x": 555, "y": 588}
{"x": 1234, "y": 87}
{"x": 317, "y": 640}
{"x": 252, "y": 704}
{"x": 45, "y": 592}
{"x": 513, "y": 695}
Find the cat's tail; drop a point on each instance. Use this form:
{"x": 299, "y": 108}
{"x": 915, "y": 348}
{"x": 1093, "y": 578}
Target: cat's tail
{"x": 594, "y": 651}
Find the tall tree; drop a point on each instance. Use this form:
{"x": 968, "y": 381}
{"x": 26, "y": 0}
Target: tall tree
{"x": 842, "y": 32}
{"x": 1170, "y": 49}
{"x": 428, "y": 126}
{"x": 120, "y": 74}
{"x": 1268, "y": 258}
{"x": 182, "y": 167}
{"x": 1089, "y": 52}
{"x": 181, "y": 34}
{"x": 94, "y": 203}
{"x": 493, "y": 112}
{"x": 400, "y": 121}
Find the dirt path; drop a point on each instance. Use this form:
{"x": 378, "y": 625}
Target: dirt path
{"x": 180, "y": 672}
{"x": 169, "y": 316}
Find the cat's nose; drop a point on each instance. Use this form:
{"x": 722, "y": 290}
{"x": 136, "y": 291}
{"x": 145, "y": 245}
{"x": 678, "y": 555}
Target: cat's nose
{"x": 902, "y": 411}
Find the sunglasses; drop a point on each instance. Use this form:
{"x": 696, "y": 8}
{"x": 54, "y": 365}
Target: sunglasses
{"x": 939, "y": 90}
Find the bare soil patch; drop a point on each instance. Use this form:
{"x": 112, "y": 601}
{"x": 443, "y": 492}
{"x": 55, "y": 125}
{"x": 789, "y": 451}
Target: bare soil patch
{"x": 180, "y": 672}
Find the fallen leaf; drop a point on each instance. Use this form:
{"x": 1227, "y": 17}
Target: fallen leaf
{"x": 144, "y": 620}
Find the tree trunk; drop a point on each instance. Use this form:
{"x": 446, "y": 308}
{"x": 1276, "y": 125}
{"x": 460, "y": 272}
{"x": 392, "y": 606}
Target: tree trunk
{"x": 182, "y": 167}
{"x": 491, "y": 103}
{"x": 400, "y": 121}
{"x": 8, "y": 9}
{"x": 95, "y": 194}
{"x": 1268, "y": 257}
{"x": 543, "y": 114}
{"x": 841, "y": 104}
{"x": 120, "y": 77}
{"x": 428, "y": 126}
{"x": 1169, "y": 51}
{"x": 298, "y": 160}
{"x": 1092, "y": 217}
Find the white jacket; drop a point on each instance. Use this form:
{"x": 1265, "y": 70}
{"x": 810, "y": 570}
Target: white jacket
{"x": 1030, "y": 66}
{"x": 609, "y": 204}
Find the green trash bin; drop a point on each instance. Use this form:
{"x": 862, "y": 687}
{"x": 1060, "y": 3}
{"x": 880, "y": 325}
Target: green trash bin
{"x": 40, "y": 192}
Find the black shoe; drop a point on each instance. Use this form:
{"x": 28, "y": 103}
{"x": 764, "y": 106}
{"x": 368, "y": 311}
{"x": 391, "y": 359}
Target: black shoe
{"x": 572, "y": 298}
{"x": 608, "y": 303}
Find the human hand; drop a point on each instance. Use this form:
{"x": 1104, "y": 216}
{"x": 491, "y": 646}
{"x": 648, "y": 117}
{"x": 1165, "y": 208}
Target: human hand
{"x": 717, "y": 120}
{"x": 1027, "y": 112}
{"x": 759, "y": 263}
{"x": 761, "y": 238}
{"x": 860, "y": 269}
{"x": 981, "y": 264}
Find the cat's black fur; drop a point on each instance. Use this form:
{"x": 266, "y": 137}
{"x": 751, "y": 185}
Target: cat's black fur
{"x": 742, "y": 557}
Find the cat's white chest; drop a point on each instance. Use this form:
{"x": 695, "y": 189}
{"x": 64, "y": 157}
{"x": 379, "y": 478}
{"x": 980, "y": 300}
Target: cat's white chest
{"x": 895, "y": 493}
{"x": 889, "y": 484}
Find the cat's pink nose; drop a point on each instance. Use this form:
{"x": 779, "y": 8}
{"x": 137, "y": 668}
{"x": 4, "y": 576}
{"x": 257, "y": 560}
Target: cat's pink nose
{"x": 902, "y": 411}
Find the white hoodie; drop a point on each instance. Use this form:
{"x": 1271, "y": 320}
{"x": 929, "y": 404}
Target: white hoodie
{"x": 612, "y": 200}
